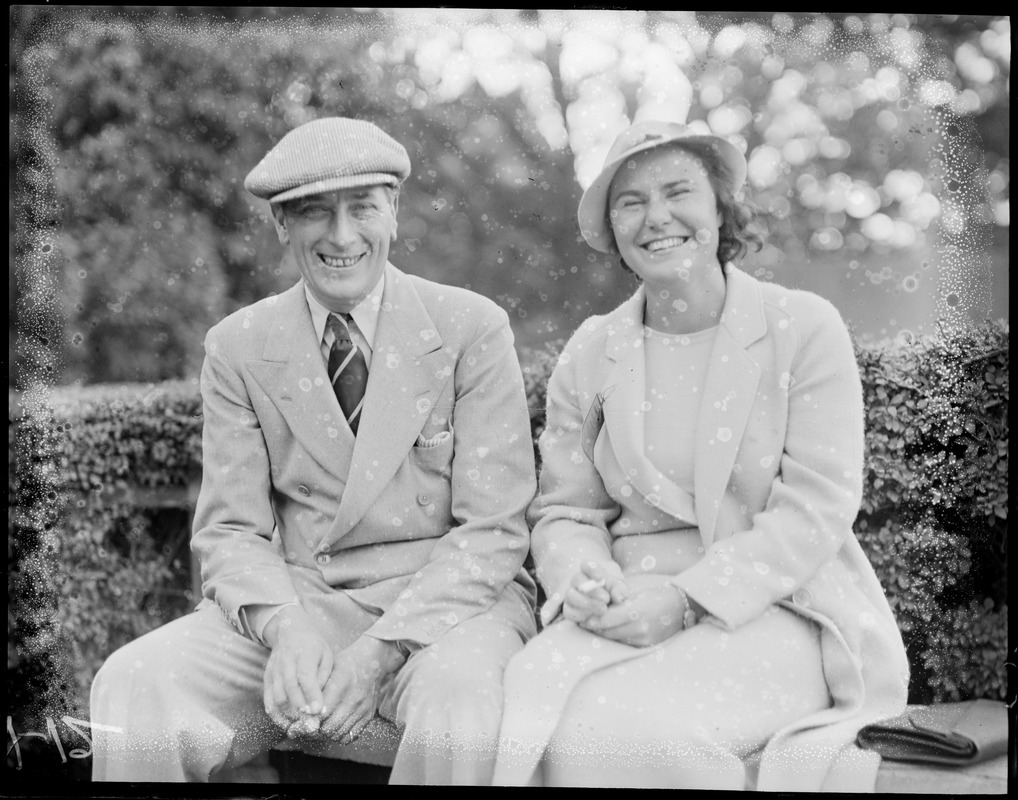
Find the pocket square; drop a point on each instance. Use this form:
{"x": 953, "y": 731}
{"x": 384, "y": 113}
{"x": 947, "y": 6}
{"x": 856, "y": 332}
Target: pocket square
{"x": 954, "y": 734}
{"x": 434, "y": 441}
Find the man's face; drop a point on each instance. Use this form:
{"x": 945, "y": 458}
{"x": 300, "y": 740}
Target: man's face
{"x": 340, "y": 241}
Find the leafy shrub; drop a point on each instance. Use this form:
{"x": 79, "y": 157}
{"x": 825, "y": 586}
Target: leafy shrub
{"x": 933, "y": 519}
{"x": 89, "y": 573}
{"x": 537, "y": 364}
{"x": 934, "y": 514}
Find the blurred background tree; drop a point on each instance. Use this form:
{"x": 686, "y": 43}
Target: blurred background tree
{"x": 878, "y": 148}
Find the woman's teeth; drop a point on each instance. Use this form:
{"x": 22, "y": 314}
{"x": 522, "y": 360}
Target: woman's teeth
{"x": 664, "y": 244}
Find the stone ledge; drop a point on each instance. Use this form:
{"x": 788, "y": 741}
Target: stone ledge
{"x": 895, "y": 777}
{"x": 988, "y": 777}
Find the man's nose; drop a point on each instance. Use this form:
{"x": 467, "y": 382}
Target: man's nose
{"x": 344, "y": 229}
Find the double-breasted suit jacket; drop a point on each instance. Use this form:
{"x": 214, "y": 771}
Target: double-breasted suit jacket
{"x": 777, "y": 485}
{"x": 420, "y": 518}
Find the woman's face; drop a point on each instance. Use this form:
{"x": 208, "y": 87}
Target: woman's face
{"x": 665, "y": 218}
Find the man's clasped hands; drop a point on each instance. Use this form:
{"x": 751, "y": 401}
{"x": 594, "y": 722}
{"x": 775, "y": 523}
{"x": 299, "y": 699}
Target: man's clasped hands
{"x": 312, "y": 690}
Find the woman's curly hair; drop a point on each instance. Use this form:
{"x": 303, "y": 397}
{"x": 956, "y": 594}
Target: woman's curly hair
{"x": 740, "y": 227}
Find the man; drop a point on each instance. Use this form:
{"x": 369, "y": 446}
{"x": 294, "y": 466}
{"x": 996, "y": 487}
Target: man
{"x": 366, "y": 466}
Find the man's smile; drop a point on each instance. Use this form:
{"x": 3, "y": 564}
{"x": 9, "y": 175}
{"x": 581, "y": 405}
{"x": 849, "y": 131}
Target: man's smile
{"x": 340, "y": 262}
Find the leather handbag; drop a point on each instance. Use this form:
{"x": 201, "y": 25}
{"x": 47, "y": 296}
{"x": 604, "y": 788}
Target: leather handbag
{"x": 954, "y": 734}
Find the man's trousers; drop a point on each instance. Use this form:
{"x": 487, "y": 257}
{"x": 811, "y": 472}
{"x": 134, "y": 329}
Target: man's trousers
{"x": 188, "y": 697}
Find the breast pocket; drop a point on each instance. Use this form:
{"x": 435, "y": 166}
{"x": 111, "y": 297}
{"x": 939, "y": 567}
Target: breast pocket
{"x": 431, "y": 473}
{"x": 434, "y": 453}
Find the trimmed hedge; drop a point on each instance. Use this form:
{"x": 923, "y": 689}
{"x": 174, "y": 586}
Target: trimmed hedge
{"x": 933, "y": 521}
{"x": 934, "y": 515}
{"x": 111, "y": 573}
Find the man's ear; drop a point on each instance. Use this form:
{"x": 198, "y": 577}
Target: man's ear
{"x": 395, "y": 214}
{"x": 279, "y": 218}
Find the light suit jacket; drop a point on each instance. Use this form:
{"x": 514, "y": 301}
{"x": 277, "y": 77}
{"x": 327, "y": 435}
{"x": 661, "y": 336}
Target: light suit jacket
{"x": 778, "y": 483}
{"x": 423, "y": 537}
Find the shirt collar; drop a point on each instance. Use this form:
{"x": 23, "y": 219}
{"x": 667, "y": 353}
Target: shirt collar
{"x": 365, "y": 313}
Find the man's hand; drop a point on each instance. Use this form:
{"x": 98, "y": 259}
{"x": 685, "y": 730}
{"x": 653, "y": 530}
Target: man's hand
{"x": 649, "y": 615}
{"x": 592, "y": 589}
{"x": 353, "y": 691}
{"x": 298, "y": 667}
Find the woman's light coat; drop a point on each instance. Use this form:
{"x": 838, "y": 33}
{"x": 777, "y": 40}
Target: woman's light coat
{"x": 778, "y": 483}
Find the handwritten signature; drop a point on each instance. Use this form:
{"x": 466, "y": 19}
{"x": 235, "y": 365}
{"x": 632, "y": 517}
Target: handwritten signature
{"x": 80, "y": 726}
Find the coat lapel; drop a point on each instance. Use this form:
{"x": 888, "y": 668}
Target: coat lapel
{"x": 409, "y": 368}
{"x": 294, "y": 376}
{"x": 729, "y": 393}
{"x": 624, "y": 394}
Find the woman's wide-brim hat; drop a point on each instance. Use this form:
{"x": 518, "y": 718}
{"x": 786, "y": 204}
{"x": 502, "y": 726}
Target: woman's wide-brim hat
{"x": 638, "y": 138}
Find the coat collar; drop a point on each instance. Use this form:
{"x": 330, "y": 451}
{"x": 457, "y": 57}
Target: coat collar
{"x": 729, "y": 391}
{"x": 409, "y": 369}
{"x": 742, "y": 315}
{"x": 293, "y": 374}
{"x": 624, "y": 394}
{"x": 402, "y": 388}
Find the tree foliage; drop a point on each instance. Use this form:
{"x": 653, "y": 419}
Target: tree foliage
{"x": 135, "y": 129}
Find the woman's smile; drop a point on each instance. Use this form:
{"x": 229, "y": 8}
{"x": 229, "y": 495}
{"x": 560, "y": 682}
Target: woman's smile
{"x": 666, "y": 244}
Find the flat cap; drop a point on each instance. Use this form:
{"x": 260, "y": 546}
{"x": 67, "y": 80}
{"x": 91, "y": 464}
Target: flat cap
{"x": 325, "y": 155}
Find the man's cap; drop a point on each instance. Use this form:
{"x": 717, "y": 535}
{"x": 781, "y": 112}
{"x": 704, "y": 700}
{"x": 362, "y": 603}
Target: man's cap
{"x": 637, "y": 138}
{"x": 325, "y": 155}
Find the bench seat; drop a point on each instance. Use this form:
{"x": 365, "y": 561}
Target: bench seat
{"x": 368, "y": 761}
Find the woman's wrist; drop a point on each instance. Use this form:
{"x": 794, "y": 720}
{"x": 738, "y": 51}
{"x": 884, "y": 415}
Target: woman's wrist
{"x": 689, "y": 615}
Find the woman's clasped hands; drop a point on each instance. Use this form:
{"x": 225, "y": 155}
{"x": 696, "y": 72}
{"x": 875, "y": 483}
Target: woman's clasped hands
{"x": 643, "y": 611}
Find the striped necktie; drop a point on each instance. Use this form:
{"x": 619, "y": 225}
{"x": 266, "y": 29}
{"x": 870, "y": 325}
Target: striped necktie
{"x": 348, "y": 370}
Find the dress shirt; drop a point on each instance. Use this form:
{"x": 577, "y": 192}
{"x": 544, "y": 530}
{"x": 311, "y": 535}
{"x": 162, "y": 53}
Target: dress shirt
{"x": 365, "y": 321}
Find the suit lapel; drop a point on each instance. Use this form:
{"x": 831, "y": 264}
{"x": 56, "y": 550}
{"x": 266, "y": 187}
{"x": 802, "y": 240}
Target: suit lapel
{"x": 294, "y": 376}
{"x": 409, "y": 368}
{"x": 624, "y": 394}
{"x": 729, "y": 393}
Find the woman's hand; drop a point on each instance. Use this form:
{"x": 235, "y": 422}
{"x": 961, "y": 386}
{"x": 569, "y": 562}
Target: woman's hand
{"x": 647, "y": 616}
{"x": 592, "y": 589}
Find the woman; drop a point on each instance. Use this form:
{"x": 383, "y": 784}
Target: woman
{"x": 712, "y": 621}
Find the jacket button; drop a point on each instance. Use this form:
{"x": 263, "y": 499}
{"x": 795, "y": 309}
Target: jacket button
{"x": 304, "y": 490}
{"x": 423, "y": 499}
{"x": 323, "y": 558}
{"x": 802, "y": 598}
